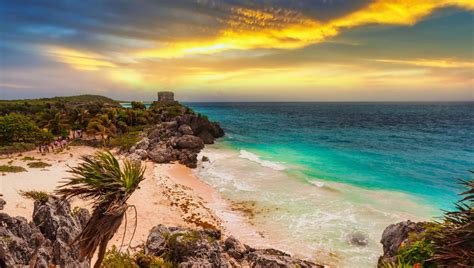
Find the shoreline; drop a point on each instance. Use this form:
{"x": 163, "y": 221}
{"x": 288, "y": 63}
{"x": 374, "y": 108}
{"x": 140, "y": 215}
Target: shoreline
{"x": 171, "y": 194}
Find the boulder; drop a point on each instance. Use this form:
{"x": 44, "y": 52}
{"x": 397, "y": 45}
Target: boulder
{"x": 161, "y": 155}
{"x": 394, "y": 235}
{"x": 204, "y": 248}
{"x": 45, "y": 241}
{"x": 142, "y": 144}
{"x": 188, "y": 158}
{"x": 2, "y": 203}
{"x": 358, "y": 239}
{"x": 189, "y": 142}
{"x": 205, "y": 158}
{"x": 19, "y": 240}
{"x": 60, "y": 225}
{"x": 206, "y": 137}
{"x": 185, "y": 129}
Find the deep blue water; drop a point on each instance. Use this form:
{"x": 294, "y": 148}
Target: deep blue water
{"x": 418, "y": 148}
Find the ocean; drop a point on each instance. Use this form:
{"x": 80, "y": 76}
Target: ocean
{"x": 321, "y": 177}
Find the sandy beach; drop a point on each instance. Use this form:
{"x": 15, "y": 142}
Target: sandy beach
{"x": 170, "y": 194}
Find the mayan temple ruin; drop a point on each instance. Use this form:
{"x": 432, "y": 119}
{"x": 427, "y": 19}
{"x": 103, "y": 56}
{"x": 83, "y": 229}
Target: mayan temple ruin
{"x": 166, "y": 96}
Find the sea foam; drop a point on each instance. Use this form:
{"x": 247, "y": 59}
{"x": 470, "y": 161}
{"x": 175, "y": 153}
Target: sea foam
{"x": 265, "y": 163}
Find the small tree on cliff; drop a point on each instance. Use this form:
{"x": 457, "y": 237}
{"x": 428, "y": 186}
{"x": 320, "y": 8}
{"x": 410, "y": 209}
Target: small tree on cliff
{"x": 101, "y": 179}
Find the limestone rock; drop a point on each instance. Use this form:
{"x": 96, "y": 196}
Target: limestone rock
{"x": 189, "y": 142}
{"x": 204, "y": 248}
{"x": 394, "y": 235}
{"x": 185, "y": 129}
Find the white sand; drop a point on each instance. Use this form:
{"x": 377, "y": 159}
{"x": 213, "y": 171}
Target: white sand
{"x": 170, "y": 194}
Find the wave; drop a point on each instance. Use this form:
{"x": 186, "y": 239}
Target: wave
{"x": 265, "y": 163}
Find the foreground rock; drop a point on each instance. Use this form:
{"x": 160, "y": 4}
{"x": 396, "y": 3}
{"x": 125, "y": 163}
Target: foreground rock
{"x": 179, "y": 138}
{"x": 205, "y": 248}
{"x": 46, "y": 240}
{"x": 396, "y": 235}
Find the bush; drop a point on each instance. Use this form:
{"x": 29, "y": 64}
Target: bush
{"x": 136, "y": 105}
{"x": 38, "y": 164}
{"x": 39, "y": 196}
{"x": 17, "y": 147}
{"x": 21, "y": 128}
{"x": 125, "y": 141}
{"x": 11, "y": 169}
{"x": 116, "y": 259}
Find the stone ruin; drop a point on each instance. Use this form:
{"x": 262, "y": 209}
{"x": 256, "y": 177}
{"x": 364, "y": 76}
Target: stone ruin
{"x": 166, "y": 96}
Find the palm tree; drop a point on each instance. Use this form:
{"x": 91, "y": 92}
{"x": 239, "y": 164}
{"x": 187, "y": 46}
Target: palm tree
{"x": 101, "y": 179}
{"x": 54, "y": 121}
{"x": 102, "y": 125}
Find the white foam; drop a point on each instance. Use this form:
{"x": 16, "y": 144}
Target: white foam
{"x": 265, "y": 163}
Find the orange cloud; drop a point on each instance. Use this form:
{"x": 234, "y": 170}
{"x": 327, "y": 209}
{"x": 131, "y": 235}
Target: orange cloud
{"x": 283, "y": 29}
{"x": 436, "y": 63}
{"x": 80, "y": 60}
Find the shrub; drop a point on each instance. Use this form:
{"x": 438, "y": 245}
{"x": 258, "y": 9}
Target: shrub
{"x": 136, "y": 105}
{"x": 39, "y": 196}
{"x": 38, "y": 164}
{"x": 125, "y": 141}
{"x": 21, "y": 128}
{"x": 11, "y": 169}
{"x": 17, "y": 147}
{"x": 418, "y": 252}
{"x": 116, "y": 259}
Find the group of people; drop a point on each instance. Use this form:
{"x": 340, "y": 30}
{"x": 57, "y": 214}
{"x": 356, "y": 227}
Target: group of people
{"x": 56, "y": 146}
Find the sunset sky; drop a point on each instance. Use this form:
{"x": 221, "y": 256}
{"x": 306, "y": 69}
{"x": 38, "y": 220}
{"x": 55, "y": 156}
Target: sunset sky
{"x": 204, "y": 50}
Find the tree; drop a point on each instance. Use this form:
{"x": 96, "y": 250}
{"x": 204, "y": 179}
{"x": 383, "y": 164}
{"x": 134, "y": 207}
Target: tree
{"x": 101, "y": 125}
{"x": 136, "y": 105}
{"x": 102, "y": 180}
{"x": 21, "y": 128}
{"x": 54, "y": 120}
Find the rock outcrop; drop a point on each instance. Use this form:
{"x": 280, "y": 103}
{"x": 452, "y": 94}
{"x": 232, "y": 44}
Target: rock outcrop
{"x": 394, "y": 236}
{"x": 46, "y": 240}
{"x": 205, "y": 248}
{"x": 180, "y": 138}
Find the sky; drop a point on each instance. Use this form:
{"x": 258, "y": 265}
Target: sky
{"x": 236, "y": 50}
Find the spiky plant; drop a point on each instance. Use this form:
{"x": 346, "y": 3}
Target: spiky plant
{"x": 102, "y": 180}
{"x": 454, "y": 244}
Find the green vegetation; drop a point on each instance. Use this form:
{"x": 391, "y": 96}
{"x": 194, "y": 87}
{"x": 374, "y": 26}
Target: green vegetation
{"x": 101, "y": 179}
{"x": 25, "y": 124}
{"x": 16, "y": 147}
{"x": 116, "y": 259}
{"x": 11, "y": 169}
{"x": 21, "y": 128}
{"x": 39, "y": 196}
{"x": 138, "y": 105}
{"x": 447, "y": 243}
{"x": 38, "y": 164}
{"x": 125, "y": 141}
{"x": 28, "y": 158}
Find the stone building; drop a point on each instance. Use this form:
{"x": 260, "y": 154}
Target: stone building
{"x": 165, "y": 96}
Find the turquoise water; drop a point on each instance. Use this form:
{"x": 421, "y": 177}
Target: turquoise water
{"x": 414, "y": 148}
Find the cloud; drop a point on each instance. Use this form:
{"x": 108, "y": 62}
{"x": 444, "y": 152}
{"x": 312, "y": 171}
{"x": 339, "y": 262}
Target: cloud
{"x": 285, "y": 29}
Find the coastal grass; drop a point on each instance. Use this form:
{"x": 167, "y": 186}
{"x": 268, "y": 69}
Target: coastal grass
{"x": 12, "y": 169}
{"x": 28, "y": 158}
{"x": 38, "y": 164}
{"x": 115, "y": 258}
{"x": 39, "y": 196}
{"x": 125, "y": 141}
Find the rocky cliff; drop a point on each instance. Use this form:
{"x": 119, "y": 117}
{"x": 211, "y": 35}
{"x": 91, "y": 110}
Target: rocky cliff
{"x": 44, "y": 241}
{"x": 179, "y": 138}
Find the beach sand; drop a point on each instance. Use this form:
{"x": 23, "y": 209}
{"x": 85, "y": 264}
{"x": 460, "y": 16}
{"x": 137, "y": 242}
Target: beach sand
{"x": 171, "y": 194}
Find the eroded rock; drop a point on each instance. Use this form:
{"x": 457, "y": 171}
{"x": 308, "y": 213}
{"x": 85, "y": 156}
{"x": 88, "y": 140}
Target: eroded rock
{"x": 204, "y": 248}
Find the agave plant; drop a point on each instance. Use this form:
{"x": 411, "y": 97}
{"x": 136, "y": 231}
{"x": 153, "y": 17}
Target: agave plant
{"x": 102, "y": 180}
